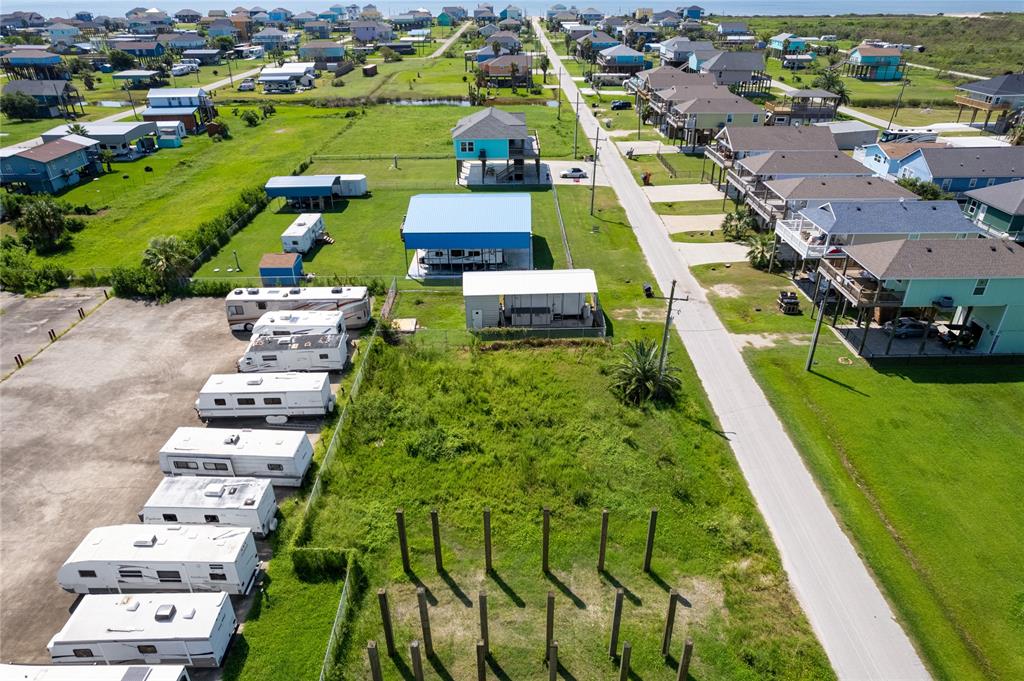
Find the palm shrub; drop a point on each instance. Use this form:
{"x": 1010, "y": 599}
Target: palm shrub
{"x": 760, "y": 248}
{"x": 738, "y": 224}
{"x": 169, "y": 258}
{"x": 637, "y": 377}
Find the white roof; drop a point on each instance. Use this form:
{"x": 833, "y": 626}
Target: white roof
{"x": 80, "y": 140}
{"x": 278, "y": 381}
{"x": 338, "y": 293}
{"x": 117, "y": 617}
{"x": 302, "y": 224}
{"x": 228, "y": 441}
{"x": 140, "y": 544}
{"x": 90, "y": 672}
{"x": 528, "y": 282}
{"x": 176, "y": 92}
{"x": 287, "y": 319}
{"x": 187, "y": 491}
{"x": 102, "y": 129}
{"x": 289, "y": 69}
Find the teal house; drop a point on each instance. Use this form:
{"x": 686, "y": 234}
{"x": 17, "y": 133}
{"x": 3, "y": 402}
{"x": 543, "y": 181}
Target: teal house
{"x": 787, "y": 43}
{"x": 975, "y": 285}
{"x": 490, "y": 136}
{"x": 999, "y": 209}
{"x": 875, "y": 63}
{"x": 50, "y": 167}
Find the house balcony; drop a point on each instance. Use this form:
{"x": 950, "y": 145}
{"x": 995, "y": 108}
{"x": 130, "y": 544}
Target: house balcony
{"x": 746, "y": 184}
{"x": 858, "y": 286}
{"x": 799, "y": 111}
{"x": 720, "y": 157}
{"x": 803, "y": 236}
{"x": 769, "y": 207}
{"x": 964, "y": 100}
{"x": 528, "y": 148}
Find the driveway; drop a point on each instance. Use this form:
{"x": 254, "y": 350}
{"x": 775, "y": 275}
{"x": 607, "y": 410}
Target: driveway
{"x": 556, "y": 168}
{"x": 26, "y": 322}
{"x": 81, "y": 426}
{"x": 692, "y": 223}
{"x": 682, "y": 192}
{"x": 705, "y": 254}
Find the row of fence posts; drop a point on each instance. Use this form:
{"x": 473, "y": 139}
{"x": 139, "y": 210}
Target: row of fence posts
{"x": 52, "y": 335}
{"x": 423, "y": 647}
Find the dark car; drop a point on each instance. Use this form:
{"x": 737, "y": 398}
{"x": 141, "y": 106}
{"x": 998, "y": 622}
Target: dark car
{"x": 621, "y": 104}
{"x": 908, "y": 327}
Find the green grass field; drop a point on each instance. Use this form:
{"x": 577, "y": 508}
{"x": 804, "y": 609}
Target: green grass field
{"x": 925, "y": 86}
{"x": 923, "y": 478}
{"x": 687, "y": 168}
{"x": 704, "y": 207}
{"x": 714, "y": 236}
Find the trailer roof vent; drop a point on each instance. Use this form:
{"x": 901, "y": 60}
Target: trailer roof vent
{"x": 148, "y": 540}
{"x": 295, "y": 291}
{"x": 254, "y": 381}
{"x": 214, "y": 489}
{"x": 232, "y": 439}
{"x": 237, "y": 292}
{"x": 189, "y": 614}
{"x": 232, "y": 490}
{"x": 165, "y": 613}
{"x": 253, "y": 291}
{"x": 338, "y": 289}
{"x": 131, "y": 604}
{"x": 251, "y": 501}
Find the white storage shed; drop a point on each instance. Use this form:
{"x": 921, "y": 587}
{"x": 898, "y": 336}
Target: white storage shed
{"x": 233, "y": 502}
{"x": 191, "y": 629}
{"x": 549, "y": 299}
{"x": 274, "y": 396}
{"x": 301, "y": 235}
{"x": 282, "y": 456}
{"x": 353, "y": 185}
{"x": 134, "y": 558}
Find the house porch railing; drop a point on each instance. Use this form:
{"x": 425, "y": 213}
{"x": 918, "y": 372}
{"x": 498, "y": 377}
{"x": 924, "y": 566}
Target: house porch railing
{"x": 964, "y": 100}
{"x": 858, "y": 287}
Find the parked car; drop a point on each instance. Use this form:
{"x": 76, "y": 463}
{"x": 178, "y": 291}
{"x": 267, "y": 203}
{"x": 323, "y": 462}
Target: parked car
{"x": 247, "y": 85}
{"x": 574, "y": 174}
{"x": 187, "y": 65}
{"x": 180, "y": 70}
{"x": 908, "y": 327}
{"x": 621, "y": 104}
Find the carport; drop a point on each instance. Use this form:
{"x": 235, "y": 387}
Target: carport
{"x": 305, "y": 191}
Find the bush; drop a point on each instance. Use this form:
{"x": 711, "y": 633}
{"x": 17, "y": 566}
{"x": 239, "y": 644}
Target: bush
{"x": 318, "y": 564}
{"x": 250, "y": 117}
{"x": 134, "y": 282}
{"x": 338, "y": 82}
{"x": 20, "y": 273}
{"x": 210, "y": 288}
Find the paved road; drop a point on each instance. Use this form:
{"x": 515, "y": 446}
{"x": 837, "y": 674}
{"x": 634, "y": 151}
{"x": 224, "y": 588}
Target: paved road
{"x": 448, "y": 43}
{"x": 854, "y": 623}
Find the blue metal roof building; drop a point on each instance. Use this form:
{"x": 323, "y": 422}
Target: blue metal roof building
{"x": 314, "y": 191}
{"x": 448, "y": 221}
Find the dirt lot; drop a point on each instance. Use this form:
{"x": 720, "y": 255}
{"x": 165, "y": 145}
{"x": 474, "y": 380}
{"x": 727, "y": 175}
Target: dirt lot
{"x": 81, "y": 425}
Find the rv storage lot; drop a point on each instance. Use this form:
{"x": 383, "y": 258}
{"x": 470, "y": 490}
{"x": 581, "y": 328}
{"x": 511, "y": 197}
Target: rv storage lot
{"x": 82, "y": 425}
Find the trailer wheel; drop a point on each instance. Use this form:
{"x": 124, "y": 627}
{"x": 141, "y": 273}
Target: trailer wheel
{"x": 248, "y": 327}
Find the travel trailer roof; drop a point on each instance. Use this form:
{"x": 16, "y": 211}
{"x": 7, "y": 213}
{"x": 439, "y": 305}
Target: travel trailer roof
{"x": 196, "y": 491}
{"x": 305, "y": 293}
{"x": 289, "y": 381}
{"x": 141, "y": 543}
{"x": 118, "y": 617}
{"x": 285, "y": 318}
{"x": 303, "y": 342}
{"x": 226, "y": 441}
{"x": 91, "y": 672}
{"x": 301, "y": 224}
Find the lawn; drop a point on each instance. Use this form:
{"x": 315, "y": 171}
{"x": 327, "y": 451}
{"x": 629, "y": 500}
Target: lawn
{"x": 687, "y": 167}
{"x": 705, "y": 207}
{"x": 12, "y": 132}
{"x": 105, "y": 88}
{"x": 924, "y": 479}
{"x": 715, "y": 236}
{"x": 915, "y": 116}
{"x": 925, "y": 87}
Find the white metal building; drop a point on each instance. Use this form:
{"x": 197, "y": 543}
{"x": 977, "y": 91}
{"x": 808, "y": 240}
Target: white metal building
{"x": 191, "y": 629}
{"x": 532, "y": 299}
{"x": 233, "y": 502}
{"x": 133, "y": 558}
{"x": 283, "y": 456}
{"x": 275, "y": 396}
{"x": 38, "y": 672}
{"x": 301, "y": 235}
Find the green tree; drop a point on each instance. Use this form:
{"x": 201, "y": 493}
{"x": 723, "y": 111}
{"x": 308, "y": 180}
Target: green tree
{"x": 759, "y": 251}
{"x": 78, "y": 129}
{"x": 224, "y": 43}
{"x": 544, "y": 64}
{"x": 267, "y": 109}
{"x": 106, "y": 158}
{"x": 929, "y": 191}
{"x": 88, "y": 81}
{"x": 43, "y": 225}
{"x": 169, "y": 258}
{"x": 637, "y": 376}
{"x": 121, "y": 60}
{"x": 19, "y": 106}
{"x": 830, "y": 80}
{"x": 250, "y": 118}
{"x": 738, "y": 224}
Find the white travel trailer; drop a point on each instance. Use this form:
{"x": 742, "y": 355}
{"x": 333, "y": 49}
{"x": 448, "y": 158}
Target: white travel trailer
{"x": 282, "y": 456}
{"x": 85, "y": 672}
{"x": 311, "y": 352}
{"x": 191, "y": 629}
{"x": 468, "y": 258}
{"x": 149, "y": 558}
{"x": 299, "y": 323}
{"x": 235, "y": 502}
{"x": 246, "y": 305}
{"x": 302, "y": 234}
{"x": 274, "y": 396}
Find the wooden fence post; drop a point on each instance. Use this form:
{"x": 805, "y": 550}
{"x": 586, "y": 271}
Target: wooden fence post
{"x": 627, "y": 652}
{"x": 435, "y": 528}
{"x": 684, "y": 662}
{"x": 613, "y": 646}
{"x": 553, "y": 661}
{"x": 417, "y": 660}
{"x": 604, "y": 540}
{"x": 403, "y": 544}
{"x": 670, "y": 621}
{"x": 385, "y": 616}
{"x": 651, "y": 526}
{"x": 428, "y": 643}
{"x": 481, "y": 661}
{"x": 549, "y": 628}
{"x": 484, "y": 634}
{"x": 374, "y": 659}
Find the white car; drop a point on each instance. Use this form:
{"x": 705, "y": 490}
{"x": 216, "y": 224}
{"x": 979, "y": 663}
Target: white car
{"x": 248, "y": 85}
{"x": 574, "y": 174}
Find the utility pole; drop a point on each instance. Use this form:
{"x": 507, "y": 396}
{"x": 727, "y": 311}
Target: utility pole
{"x": 576, "y": 130}
{"x": 664, "y": 335}
{"x": 899, "y": 100}
{"x": 231, "y": 76}
{"x": 593, "y": 174}
{"x": 559, "y": 93}
{"x": 132, "y": 102}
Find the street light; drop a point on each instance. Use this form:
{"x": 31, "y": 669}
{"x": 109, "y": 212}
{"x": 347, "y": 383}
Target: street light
{"x": 649, "y": 293}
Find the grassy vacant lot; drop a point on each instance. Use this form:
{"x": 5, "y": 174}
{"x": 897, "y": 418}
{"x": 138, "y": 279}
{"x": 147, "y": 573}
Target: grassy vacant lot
{"x": 744, "y": 299}
{"x": 925, "y": 88}
{"x": 925, "y": 480}
{"x": 915, "y": 116}
{"x": 705, "y": 207}
{"x": 973, "y": 45}
{"x": 699, "y": 237}
{"x": 687, "y": 167}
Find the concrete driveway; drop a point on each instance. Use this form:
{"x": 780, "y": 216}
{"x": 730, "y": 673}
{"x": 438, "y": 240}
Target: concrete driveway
{"x": 692, "y": 223}
{"x": 81, "y": 425}
{"x": 682, "y": 192}
{"x": 27, "y": 321}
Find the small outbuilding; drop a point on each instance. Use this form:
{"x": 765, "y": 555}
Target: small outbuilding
{"x": 535, "y": 299}
{"x": 455, "y": 233}
{"x": 281, "y": 269}
{"x": 315, "y": 191}
{"x": 851, "y": 134}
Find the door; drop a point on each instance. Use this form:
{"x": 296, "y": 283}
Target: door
{"x": 478, "y": 319}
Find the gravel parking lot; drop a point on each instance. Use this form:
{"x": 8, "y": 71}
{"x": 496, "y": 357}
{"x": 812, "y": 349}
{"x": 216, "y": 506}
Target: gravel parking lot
{"x": 81, "y": 426}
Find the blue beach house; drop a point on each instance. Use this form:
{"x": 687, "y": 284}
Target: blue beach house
{"x": 495, "y": 135}
{"x": 887, "y": 159}
{"x": 961, "y": 169}
{"x": 786, "y": 43}
{"x": 875, "y": 63}
{"x": 52, "y": 166}
{"x": 693, "y": 12}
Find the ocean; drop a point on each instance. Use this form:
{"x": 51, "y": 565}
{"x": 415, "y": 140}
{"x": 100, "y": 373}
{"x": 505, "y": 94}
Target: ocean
{"x": 63, "y": 8}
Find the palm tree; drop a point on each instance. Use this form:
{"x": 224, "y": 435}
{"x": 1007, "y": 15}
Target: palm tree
{"x": 638, "y": 376}
{"x": 169, "y": 258}
{"x": 738, "y": 224}
{"x": 760, "y": 249}
{"x": 827, "y": 80}
{"x": 106, "y": 158}
{"x": 544, "y": 63}
{"x": 78, "y": 129}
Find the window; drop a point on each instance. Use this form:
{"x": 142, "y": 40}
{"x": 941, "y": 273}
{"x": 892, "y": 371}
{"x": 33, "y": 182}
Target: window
{"x": 129, "y": 573}
{"x": 275, "y": 467}
{"x": 261, "y": 306}
{"x": 220, "y": 401}
{"x": 246, "y": 401}
{"x": 946, "y": 184}
{"x": 147, "y": 649}
{"x": 170, "y": 518}
{"x": 211, "y": 518}
{"x": 269, "y": 358}
{"x": 753, "y": 119}
{"x": 913, "y": 236}
{"x": 961, "y": 235}
{"x": 271, "y": 400}
{"x": 235, "y": 310}
{"x": 980, "y": 286}
{"x": 971, "y": 207}
{"x": 82, "y": 652}
{"x": 168, "y": 575}
{"x": 186, "y": 465}
{"x": 466, "y": 147}
{"x": 877, "y": 158}
{"x": 86, "y": 573}
{"x": 728, "y": 118}
{"x": 218, "y": 577}
{"x": 457, "y": 252}
{"x": 214, "y": 466}
{"x": 973, "y": 183}
{"x": 991, "y": 181}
